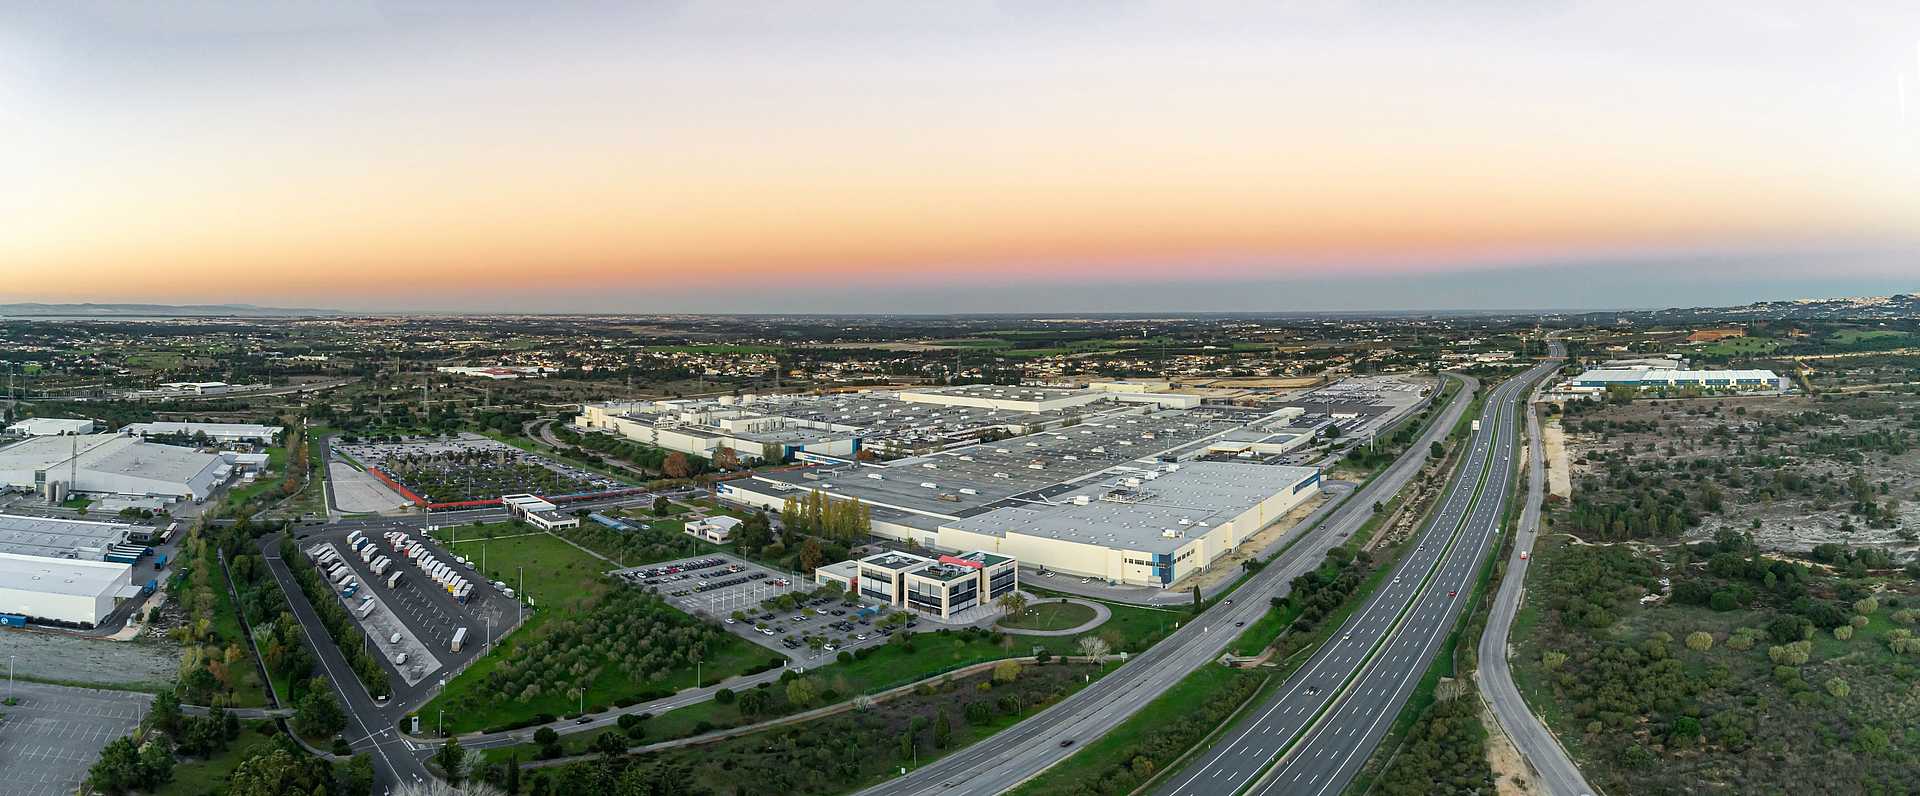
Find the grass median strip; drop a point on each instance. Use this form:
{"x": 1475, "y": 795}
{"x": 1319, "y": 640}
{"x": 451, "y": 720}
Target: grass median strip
{"x": 1380, "y": 644}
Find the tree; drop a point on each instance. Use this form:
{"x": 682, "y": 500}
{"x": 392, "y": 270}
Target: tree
{"x": 318, "y": 715}
{"x": 1006, "y": 671}
{"x": 1014, "y": 603}
{"x": 450, "y": 759}
{"x": 662, "y": 506}
{"x": 118, "y": 769}
{"x": 513, "y": 774}
{"x": 942, "y": 729}
{"x": 165, "y": 714}
{"x": 676, "y": 465}
{"x": 1094, "y": 647}
{"x": 811, "y": 556}
{"x": 610, "y": 745}
{"x": 276, "y": 773}
{"x": 1436, "y": 450}
{"x": 156, "y": 764}
{"x": 800, "y": 692}
{"x": 726, "y": 459}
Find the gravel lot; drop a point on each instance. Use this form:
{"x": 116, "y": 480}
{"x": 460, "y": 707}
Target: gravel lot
{"x": 85, "y": 660}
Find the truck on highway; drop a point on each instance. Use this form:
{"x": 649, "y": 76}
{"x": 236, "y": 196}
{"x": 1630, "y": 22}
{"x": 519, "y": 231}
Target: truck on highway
{"x": 459, "y": 638}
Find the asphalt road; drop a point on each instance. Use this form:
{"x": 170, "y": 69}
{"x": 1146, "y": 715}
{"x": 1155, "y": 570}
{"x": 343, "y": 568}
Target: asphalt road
{"x": 1330, "y": 713}
{"x": 1010, "y": 757}
{"x": 369, "y": 725}
{"x": 1552, "y": 768}
{"x": 1318, "y": 730}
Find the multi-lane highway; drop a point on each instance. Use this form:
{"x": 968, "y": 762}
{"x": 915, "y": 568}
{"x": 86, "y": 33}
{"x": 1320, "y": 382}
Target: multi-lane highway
{"x": 1552, "y": 768}
{"x": 1001, "y": 762}
{"x": 1314, "y": 733}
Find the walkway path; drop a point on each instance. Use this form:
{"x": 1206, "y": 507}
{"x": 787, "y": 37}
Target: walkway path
{"x": 1101, "y": 614}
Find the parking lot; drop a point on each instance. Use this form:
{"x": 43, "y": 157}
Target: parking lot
{"x": 419, "y": 610}
{"x": 717, "y": 586}
{"x": 50, "y": 739}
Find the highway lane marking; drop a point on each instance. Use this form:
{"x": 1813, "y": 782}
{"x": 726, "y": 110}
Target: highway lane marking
{"x": 1401, "y": 612}
{"x": 1427, "y": 644}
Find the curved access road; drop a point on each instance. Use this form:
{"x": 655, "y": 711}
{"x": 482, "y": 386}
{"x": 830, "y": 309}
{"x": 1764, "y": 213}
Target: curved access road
{"x": 998, "y": 764}
{"x": 1314, "y": 733}
{"x": 1553, "y": 769}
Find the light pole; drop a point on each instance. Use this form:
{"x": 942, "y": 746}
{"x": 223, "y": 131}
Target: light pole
{"x": 9, "y": 677}
{"x": 442, "y": 722}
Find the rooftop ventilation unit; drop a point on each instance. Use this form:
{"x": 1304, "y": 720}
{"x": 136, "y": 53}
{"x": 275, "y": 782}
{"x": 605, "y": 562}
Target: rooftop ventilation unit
{"x": 1001, "y": 475}
{"x": 875, "y": 476}
{"x": 1081, "y": 500}
{"x": 929, "y": 484}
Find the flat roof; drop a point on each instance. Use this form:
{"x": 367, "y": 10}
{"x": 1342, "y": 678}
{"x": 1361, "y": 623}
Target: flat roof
{"x": 1639, "y": 374}
{"x": 61, "y": 576}
{"x": 1186, "y": 502}
{"x": 895, "y": 561}
{"x": 211, "y": 429}
{"x": 43, "y": 536}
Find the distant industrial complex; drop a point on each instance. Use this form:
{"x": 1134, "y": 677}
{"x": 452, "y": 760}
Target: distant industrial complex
{"x": 1122, "y": 481}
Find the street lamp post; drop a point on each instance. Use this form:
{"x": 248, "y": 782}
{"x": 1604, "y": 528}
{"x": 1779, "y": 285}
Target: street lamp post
{"x": 442, "y": 722}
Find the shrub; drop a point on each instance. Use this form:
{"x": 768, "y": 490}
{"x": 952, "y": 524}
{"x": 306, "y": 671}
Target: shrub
{"x": 1865, "y": 606}
{"x": 1838, "y": 688}
{"x": 1843, "y": 632}
{"x": 1699, "y": 641}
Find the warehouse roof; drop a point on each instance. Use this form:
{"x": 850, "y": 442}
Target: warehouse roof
{"x": 1664, "y": 375}
{"x": 60, "y": 576}
{"x": 238, "y": 430}
{"x": 42, "y": 536}
{"x": 1159, "y": 515}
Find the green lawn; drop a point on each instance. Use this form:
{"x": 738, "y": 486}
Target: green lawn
{"x": 193, "y": 777}
{"x": 552, "y": 571}
{"x": 77, "y": 503}
{"x": 1050, "y": 616}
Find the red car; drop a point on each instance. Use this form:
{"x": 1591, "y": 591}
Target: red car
{"x": 1450, "y": 594}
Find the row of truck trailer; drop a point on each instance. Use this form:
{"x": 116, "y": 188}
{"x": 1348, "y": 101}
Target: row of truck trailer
{"x": 444, "y": 573}
{"x": 330, "y": 562}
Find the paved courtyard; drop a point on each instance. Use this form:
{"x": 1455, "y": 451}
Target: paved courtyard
{"x": 50, "y": 739}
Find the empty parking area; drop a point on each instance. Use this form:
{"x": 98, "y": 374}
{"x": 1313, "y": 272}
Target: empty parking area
{"x": 733, "y": 591}
{"x": 50, "y": 739}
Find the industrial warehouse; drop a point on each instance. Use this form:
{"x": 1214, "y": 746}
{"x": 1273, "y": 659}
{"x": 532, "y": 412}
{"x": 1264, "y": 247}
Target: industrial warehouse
{"x": 1645, "y": 378}
{"x": 118, "y": 464}
{"x": 64, "y": 571}
{"x": 1120, "y": 496}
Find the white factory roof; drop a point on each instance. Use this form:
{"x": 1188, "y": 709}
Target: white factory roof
{"x": 1187, "y": 502}
{"x": 136, "y": 457}
{"x": 1641, "y": 374}
{"x": 216, "y": 430}
{"x": 111, "y": 454}
{"x": 60, "y": 576}
{"x": 43, "y": 536}
{"x": 41, "y": 426}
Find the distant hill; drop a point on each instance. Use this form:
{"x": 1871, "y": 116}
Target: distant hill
{"x": 39, "y": 310}
{"x": 1894, "y": 307}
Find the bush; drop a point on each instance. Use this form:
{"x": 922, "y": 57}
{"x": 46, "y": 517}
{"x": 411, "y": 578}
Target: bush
{"x": 1699, "y": 641}
{"x": 1843, "y": 632}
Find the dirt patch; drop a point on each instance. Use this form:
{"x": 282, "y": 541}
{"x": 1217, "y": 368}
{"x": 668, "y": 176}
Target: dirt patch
{"x": 72, "y": 659}
{"x": 1510, "y": 774}
{"x": 1227, "y": 567}
{"x": 1559, "y": 474}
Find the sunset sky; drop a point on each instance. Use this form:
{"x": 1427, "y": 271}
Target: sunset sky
{"x": 959, "y": 156}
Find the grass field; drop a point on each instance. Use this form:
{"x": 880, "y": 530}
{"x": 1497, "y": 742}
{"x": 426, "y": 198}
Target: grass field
{"x": 1050, "y": 616}
{"x": 155, "y": 360}
{"x": 1742, "y": 346}
{"x": 552, "y": 571}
